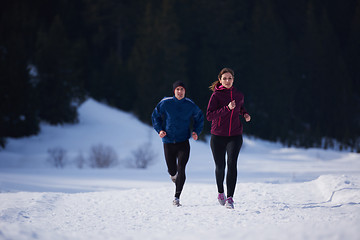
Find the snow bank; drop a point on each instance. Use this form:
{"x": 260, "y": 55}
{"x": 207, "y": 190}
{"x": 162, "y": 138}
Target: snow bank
{"x": 341, "y": 189}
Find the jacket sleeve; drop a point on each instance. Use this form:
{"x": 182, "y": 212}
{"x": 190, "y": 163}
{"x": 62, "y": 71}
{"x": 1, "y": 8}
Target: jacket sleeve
{"x": 156, "y": 117}
{"x": 213, "y": 111}
{"x": 243, "y": 110}
{"x": 198, "y": 120}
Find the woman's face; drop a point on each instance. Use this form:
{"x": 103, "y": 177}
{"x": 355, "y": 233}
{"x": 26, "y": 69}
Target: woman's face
{"x": 227, "y": 80}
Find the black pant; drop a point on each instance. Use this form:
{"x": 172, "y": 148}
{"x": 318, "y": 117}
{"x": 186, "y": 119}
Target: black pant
{"x": 231, "y": 146}
{"x": 177, "y": 156}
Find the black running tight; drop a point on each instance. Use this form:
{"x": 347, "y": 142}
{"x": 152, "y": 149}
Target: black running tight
{"x": 177, "y": 156}
{"x": 220, "y": 146}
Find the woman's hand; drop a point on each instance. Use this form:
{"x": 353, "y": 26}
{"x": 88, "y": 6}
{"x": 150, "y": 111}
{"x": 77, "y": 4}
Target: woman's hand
{"x": 247, "y": 117}
{"x": 232, "y": 105}
{"x": 195, "y": 136}
{"x": 162, "y": 133}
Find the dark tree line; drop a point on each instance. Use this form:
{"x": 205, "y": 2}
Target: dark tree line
{"x": 297, "y": 62}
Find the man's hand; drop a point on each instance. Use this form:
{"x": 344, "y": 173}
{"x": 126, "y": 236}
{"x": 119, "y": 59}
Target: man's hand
{"x": 162, "y": 133}
{"x": 195, "y": 136}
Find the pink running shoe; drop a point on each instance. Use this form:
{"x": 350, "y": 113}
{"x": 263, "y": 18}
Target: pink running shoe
{"x": 229, "y": 203}
{"x": 221, "y": 199}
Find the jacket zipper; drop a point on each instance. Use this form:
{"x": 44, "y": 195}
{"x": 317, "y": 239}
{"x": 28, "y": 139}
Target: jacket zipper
{"x": 232, "y": 112}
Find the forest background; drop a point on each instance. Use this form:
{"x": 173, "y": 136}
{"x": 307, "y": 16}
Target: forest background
{"x": 297, "y": 62}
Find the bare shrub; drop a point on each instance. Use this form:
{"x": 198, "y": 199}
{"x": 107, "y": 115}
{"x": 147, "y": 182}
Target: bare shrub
{"x": 80, "y": 161}
{"x": 143, "y": 156}
{"x": 102, "y": 157}
{"x": 57, "y": 156}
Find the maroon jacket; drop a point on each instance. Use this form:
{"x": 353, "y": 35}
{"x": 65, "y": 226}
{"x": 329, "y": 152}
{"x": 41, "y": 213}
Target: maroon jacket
{"x": 225, "y": 122}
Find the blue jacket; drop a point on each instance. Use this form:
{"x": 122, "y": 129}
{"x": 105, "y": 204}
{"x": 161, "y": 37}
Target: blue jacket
{"x": 174, "y": 117}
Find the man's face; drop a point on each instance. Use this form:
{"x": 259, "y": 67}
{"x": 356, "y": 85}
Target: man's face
{"x": 179, "y": 92}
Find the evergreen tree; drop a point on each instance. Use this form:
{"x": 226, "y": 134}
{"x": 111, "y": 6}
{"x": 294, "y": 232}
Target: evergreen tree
{"x": 323, "y": 69}
{"x": 117, "y": 89}
{"x": 157, "y": 59}
{"x": 110, "y": 31}
{"x": 17, "y": 104}
{"x": 353, "y": 63}
{"x": 296, "y": 62}
{"x": 57, "y": 86}
{"x": 269, "y": 67}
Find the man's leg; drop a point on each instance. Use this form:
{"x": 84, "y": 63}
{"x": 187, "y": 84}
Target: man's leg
{"x": 183, "y": 154}
{"x": 170, "y": 158}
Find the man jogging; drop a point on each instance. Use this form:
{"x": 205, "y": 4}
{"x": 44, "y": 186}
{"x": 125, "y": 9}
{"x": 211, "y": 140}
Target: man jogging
{"x": 171, "y": 119}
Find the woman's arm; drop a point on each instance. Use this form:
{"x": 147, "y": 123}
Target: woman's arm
{"x": 214, "y": 111}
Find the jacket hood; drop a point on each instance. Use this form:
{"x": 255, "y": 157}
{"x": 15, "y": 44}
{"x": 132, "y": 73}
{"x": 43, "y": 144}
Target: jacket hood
{"x": 220, "y": 87}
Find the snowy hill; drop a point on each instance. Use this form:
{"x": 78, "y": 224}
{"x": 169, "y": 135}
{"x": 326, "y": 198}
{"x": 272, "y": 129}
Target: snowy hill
{"x": 281, "y": 193}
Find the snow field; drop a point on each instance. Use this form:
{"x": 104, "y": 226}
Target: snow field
{"x": 262, "y": 211}
{"x": 282, "y": 193}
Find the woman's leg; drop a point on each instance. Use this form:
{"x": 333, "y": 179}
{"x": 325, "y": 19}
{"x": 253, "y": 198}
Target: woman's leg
{"x": 218, "y": 148}
{"x": 232, "y": 148}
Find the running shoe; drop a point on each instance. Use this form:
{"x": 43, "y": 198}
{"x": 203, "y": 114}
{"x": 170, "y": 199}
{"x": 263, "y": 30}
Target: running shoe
{"x": 221, "y": 199}
{"x": 229, "y": 203}
{"x": 176, "y": 202}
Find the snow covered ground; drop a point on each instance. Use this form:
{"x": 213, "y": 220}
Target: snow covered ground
{"x": 282, "y": 193}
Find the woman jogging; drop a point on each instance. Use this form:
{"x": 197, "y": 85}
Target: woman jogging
{"x": 171, "y": 119}
{"x": 225, "y": 107}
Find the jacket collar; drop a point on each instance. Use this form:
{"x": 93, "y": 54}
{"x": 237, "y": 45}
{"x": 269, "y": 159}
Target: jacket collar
{"x": 220, "y": 87}
{"x": 177, "y": 100}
